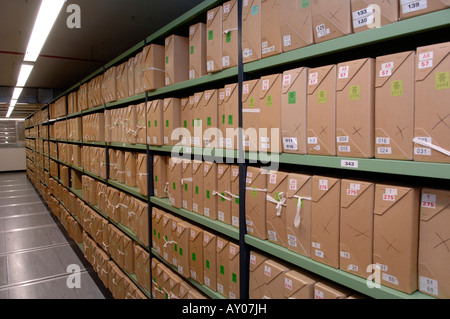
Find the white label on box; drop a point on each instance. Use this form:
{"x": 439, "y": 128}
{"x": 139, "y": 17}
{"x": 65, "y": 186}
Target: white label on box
{"x": 343, "y": 72}
{"x": 389, "y": 198}
{"x": 226, "y": 8}
{"x": 342, "y": 139}
{"x": 382, "y": 267}
{"x": 235, "y": 221}
{"x": 265, "y": 85}
{"x": 166, "y": 140}
{"x": 195, "y": 207}
{"x": 180, "y": 269}
{"x": 318, "y": 294}
{"x": 422, "y": 151}
{"x": 323, "y": 184}
{"x": 268, "y": 50}
{"x": 313, "y": 78}
{"x": 220, "y": 216}
{"x": 191, "y": 74}
{"x": 409, "y": 6}
{"x": 287, "y": 40}
{"x": 287, "y": 79}
{"x": 267, "y": 271}
{"x": 206, "y": 211}
{"x": 383, "y": 140}
{"x": 315, "y": 245}
{"x": 273, "y": 179}
{"x": 352, "y": 267}
{"x": 358, "y": 23}
{"x": 426, "y": 56}
{"x": 355, "y": 186}
{"x": 319, "y": 253}
{"x": 207, "y": 282}
{"x": 312, "y": 140}
{"x": 245, "y": 89}
{"x": 384, "y": 150}
{"x": 228, "y": 142}
{"x": 210, "y": 15}
{"x": 352, "y": 192}
{"x": 193, "y": 274}
{"x": 345, "y": 255}
{"x": 425, "y": 64}
{"x": 293, "y": 184}
{"x": 344, "y": 149}
{"x": 167, "y": 80}
{"x": 384, "y": 73}
{"x": 390, "y": 278}
{"x": 288, "y": 283}
{"x": 185, "y": 204}
{"x": 272, "y": 235}
{"x": 387, "y": 66}
{"x": 425, "y": 139}
{"x": 210, "y": 65}
{"x": 429, "y": 200}
{"x": 322, "y": 31}
{"x": 247, "y": 53}
{"x": 220, "y": 288}
{"x": 235, "y": 172}
{"x": 264, "y": 44}
{"x": 226, "y": 60}
{"x": 362, "y": 13}
{"x": 220, "y": 244}
{"x": 391, "y": 191}
{"x": 349, "y": 164}
{"x": 253, "y": 259}
{"x": 232, "y": 250}
{"x": 428, "y": 285}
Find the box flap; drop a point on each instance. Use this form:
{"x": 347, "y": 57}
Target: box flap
{"x": 196, "y": 165}
{"x": 299, "y": 185}
{"x": 195, "y": 233}
{"x": 247, "y": 9}
{"x": 209, "y": 96}
{"x": 256, "y": 259}
{"x": 207, "y": 168}
{"x": 222, "y": 170}
{"x": 234, "y": 251}
{"x": 192, "y": 30}
{"x": 352, "y": 190}
{"x": 386, "y": 66}
{"x": 185, "y": 167}
{"x": 234, "y": 173}
{"x": 346, "y": 72}
{"x": 252, "y": 175}
{"x": 158, "y": 214}
{"x": 321, "y": 186}
{"x": 166, "y": 220}
{"x": 267, "y": 83}
{"x": 274, "y": 180}
{"x": 433, "y": 202}
{"x": 227, "y": 8}
{"x": 290, "y": 78}
{"x": 428, "y": 58}
{"x": 221, "y": 244}
{"x": 318, "y": 75}
{"x": 212, "y": 15}
{"x": 295, "y": 281}
{"x": 167, "y": 103}
{"x": 182, "y": 228}
{"x": 184, "y": 103}
{"x": 388, "y": 196}
{"x": 229, "y": 90}
{"x": 155, "y": 105}
{"x": 249, "y": 89}
{"x": 198, "y": 97}
{"x": 272, "y": 270}
{"x": 207, "y": 238}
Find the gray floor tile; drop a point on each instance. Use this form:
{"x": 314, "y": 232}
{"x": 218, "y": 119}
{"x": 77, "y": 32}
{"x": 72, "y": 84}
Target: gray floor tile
{"x": 31, "y": 238}
{"x": 66, "y": 256}
{"x": 49, "y": 289}
{"x": 2, "y": 243}
{"x": 3, "y": 271}
{"x": 28, "y": 221}
{"x": 38, "y": 207}
{"x": 10, "y": 200}
{"x": 17, "y": 192}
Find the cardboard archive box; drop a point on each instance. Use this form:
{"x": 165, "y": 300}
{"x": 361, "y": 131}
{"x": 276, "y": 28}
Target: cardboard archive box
{"x": 251, "y": 110}
{"x": 181, "y": 246}
{"x": 222, "y": 263}
{"x": 331, "y": 19}
{"x": 177, "y": 59}
{"x": 197, "y": 187}
{"x": 152, "y": 67}
{"x": 222, "y": 197}
{"x": 355, "y": 108}
{"x": 174, "y": 175}
{"x": 274, "y": 273}
{"x": 255, "y": 202}
{"x": 157, "y": 238}
{"x": 395, "y": 243}
{"x": 214, "y": 40}
{"x": 122, "y": 81}
{"x": 234, "y": 194}
{"x": 251, "y": 30}
{"x": 209, "y": 260}
{"x": 234, "y": 272}
{"x": 197, "y": 113}
{"x": 270, "y": 118}
{"x": 293, "y": 110}
{"x": 271, "y": 38}
{"x": 130, "y": 124}
{"x": 394, "y": 126}
{"x": 137, "y": 72}
{"x": 155, "y": 122}
{"x": 296, "y": 24}
{"x": 197, "y": 50}
{"x": 326, "y": 195}
{"x": 230, "y": 117}
{"x": 299, "y": 285}
{"x": 210, "y": 118}
{"x": 230, "y": 34}
{"x": 321, "y": 111}
{"x": 256, "y": 280}
{"x": 141, "y": 122}
{"x": 209, "y": 186}
{"x": 298, "y": 213}
{"x": 434, "y": 277}
{"x": 196, "y": 254}
{"x": 366, "y": 15}
{"x": 172, "y": 120}
{"x": 159, "y": 175}
{"x": 167, "y": 236}
{"x": 276, "y": 212}
{"x": 142, "y": 267}
{"x": 326, "y": 289}
{"x": 141, "y": 221}
{"x": 409, "y": 8}
{"x": 186, "y": 184}
{"x": 130, "y": 75}
{"x": 185, "y": 119}
{"x": 356, "y": 226}
{"x": 431, "y": 115}
{"x": 141, "y": 173}
{"x": 130, "y": 168}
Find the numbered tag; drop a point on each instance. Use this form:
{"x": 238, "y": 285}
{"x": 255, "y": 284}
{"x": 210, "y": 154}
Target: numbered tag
{"x": 349, "y": 164}
{"x": 429, "y": 201}
{"x": 323, "y": 184}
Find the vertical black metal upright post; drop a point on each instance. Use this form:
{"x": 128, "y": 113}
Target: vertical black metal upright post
{"x": 244, "y": 253}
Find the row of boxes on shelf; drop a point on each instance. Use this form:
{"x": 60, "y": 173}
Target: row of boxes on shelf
{"x": 271, "y": 278}
{"x": 206, "y": 258}
{"x": 351, "y": 224}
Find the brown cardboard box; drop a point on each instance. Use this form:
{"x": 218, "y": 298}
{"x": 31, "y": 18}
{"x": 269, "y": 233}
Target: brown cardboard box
{"x": 209, "y": 186}
{"x": 159, "y": 175}
{"x": 271, "y": 38}
{"x": 299, "y": 285}
{"x": 230, "y": 121}
{"x": 251, "y": 110}
{"x": 141, "y": 216}
{"x": 408, "y": 9}
{"x": 431, "y": 115}
{"x": 270, "y": 103}
{"x": 274, "y": 273}
{"x": 141, "y": 124}
{"x": 197, "y": 113}
{"x": 328, "y": 290}
{"x": 153, "y": 68}
{"x": 256, "y": 280}
{"x": 155, "y": 120}
{"x": 174, "y": 174}
{"x": 172, "y": 120}
{"x": 177, "y": 59}
{"x": 394, "y": 126}
{"x": 214, "y": 40}
{"x": 223, "y": 199}
{"x": 296, "y": 24}
{"x": 395, "y": 243}
{"x": 130, "y": 69}
{"x": 94, "y": 165}
{"x": 326, "y": 195}
{"x": 209, "y": 260}
{"x": 331, "y": 19}
{"x": 255, "y": 202}
{"x": 276, "y": 212}
{"x": 321, "y": 111}
{"x": 154, "y": 264}
{"x": 128, "y": 251}
{"x": 127, "y": 210}
{"x": 293, "y": 110}
{"x": 182, "y": 248}
{"x": 185, "y": 119}
{"x": 298, "y": 213}
{"x": 434, "y": 278}
{"x": 223, "y": 276}
{"x": 251, "y": 30}
{"x": 197, "y": 50}
{"x": 76, "y": 179}
{"x": 141, "y": 173}
{"x": 120, "y": 162}
{"x": 210, "y": 118}
{"x": 138, "y": 86}
{"x": 356, "y": 230}
{"x": 196, "y": 254}
{"x": 363, "y": 15}
{"x": 234, "y": 272}
{"x": 116, "y": 245}
{"x": 112, "y": 164}
{"x": 190, "y": 117}
{"x": 167, "y": 240}
{"x": 197, "y": 187}
{"x": 230, "y": 34}
{"x": 157, "y": 237}
{"x": 130, "y": 124}
{"x": 130, "y": 168}
{"x": 234, "y": 195}
{"x": 355, "y": 108}
{"x": 116, "y": 283}
{"x": 186, "y": 184}
{"x": 64, "y": 175}
{"x": 113, "y": 209}
{"x": 122, "y": 81}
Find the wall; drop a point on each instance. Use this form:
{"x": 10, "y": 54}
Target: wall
{"x": 12, "y": 159}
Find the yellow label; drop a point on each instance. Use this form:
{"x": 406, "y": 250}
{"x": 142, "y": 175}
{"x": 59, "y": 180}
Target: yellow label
{"x": 355, "y": 92}
{"x": 442, "y": 80}
{"x": 397, "y": 88}
{"x": 322, "y": 97}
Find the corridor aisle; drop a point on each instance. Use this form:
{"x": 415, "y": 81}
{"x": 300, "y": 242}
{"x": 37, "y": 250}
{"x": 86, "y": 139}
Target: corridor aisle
{"x": 35, "y": 253}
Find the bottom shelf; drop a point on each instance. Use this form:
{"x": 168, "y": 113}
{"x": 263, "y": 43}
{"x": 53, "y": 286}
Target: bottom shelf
{"x": 339, "y": 276}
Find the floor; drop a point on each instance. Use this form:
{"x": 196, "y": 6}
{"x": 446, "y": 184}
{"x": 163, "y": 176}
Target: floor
{"x": 36, "y": 256}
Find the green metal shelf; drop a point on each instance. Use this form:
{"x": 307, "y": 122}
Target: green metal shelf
{"x": 210, "y": 293}
{"x": 128, "y": 145}
{"x": 130, "y": 190}
{"x": 395, "y": 30}
{"x": 339, "y": 276}
{"x": 216, "y": 225}
{"x": 128, "y": 100}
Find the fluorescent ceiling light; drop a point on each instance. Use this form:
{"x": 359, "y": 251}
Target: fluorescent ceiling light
{"x": 13, "y": 103}
{"x": 16, "y": 93}
{"x": 45, "y": 20}
{"x": 19, "y": 120}
{"x": 25, "y": 71}
{"x": 10, "y": 110}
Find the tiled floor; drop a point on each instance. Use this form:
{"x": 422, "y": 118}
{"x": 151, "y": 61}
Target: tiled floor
{"x": 35, "y": 253}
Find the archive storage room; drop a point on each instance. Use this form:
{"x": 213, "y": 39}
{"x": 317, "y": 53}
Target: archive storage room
{"x": 243, "y": 149}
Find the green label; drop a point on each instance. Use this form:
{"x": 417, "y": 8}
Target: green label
{"x": 167, "y": 123}
{"x": 292, "y": 97}
{"x": 209, "y": 121}
{"x": 322, "y": 97}
{"x": 222, "y": 270}
{"x": 210, "y": 35}
{"x": 186, "y": 187}
{"x": 193, "y": 122}
{"x": 254, "y": 10}
{"x": 208, "y": 194}
{"x": 174, "y": 186}
{"x": 230, "y": 119}
{"x": 156, "y": 178}
{"x": 159, "y": 235}
{"x": 194, "y": 257}
{"x": 234, "y": 278}
{"x": 192, "y": 49}
{"x": 181, "y": 251}
{"x": 397, "y": 88}
{"x": 254, "y": 193}
{"x": 355, "y": 92}
{"x": 228, "y": 37}
{"x": 269, "y": 100}
{"x": 199, "y": 122}
{"x": 185, "y": 124}
{"x": 223, "y": 119}
{"x": 442, "y": 80}
{"x": 149, "y": 123}
{"x": 167, "y": 60}
{"x": 252, "y": 102}
{"x": 208, "y": 264}
{"x": 175, "y": 247}
{"x": 236, "y": 200}
{"x": 222, "y": 198}
{"x": 305, "y": 4}
{"x": 196, "y": 190}
{"x": 154, "y": 232}
{"x": 156, "y": 123}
